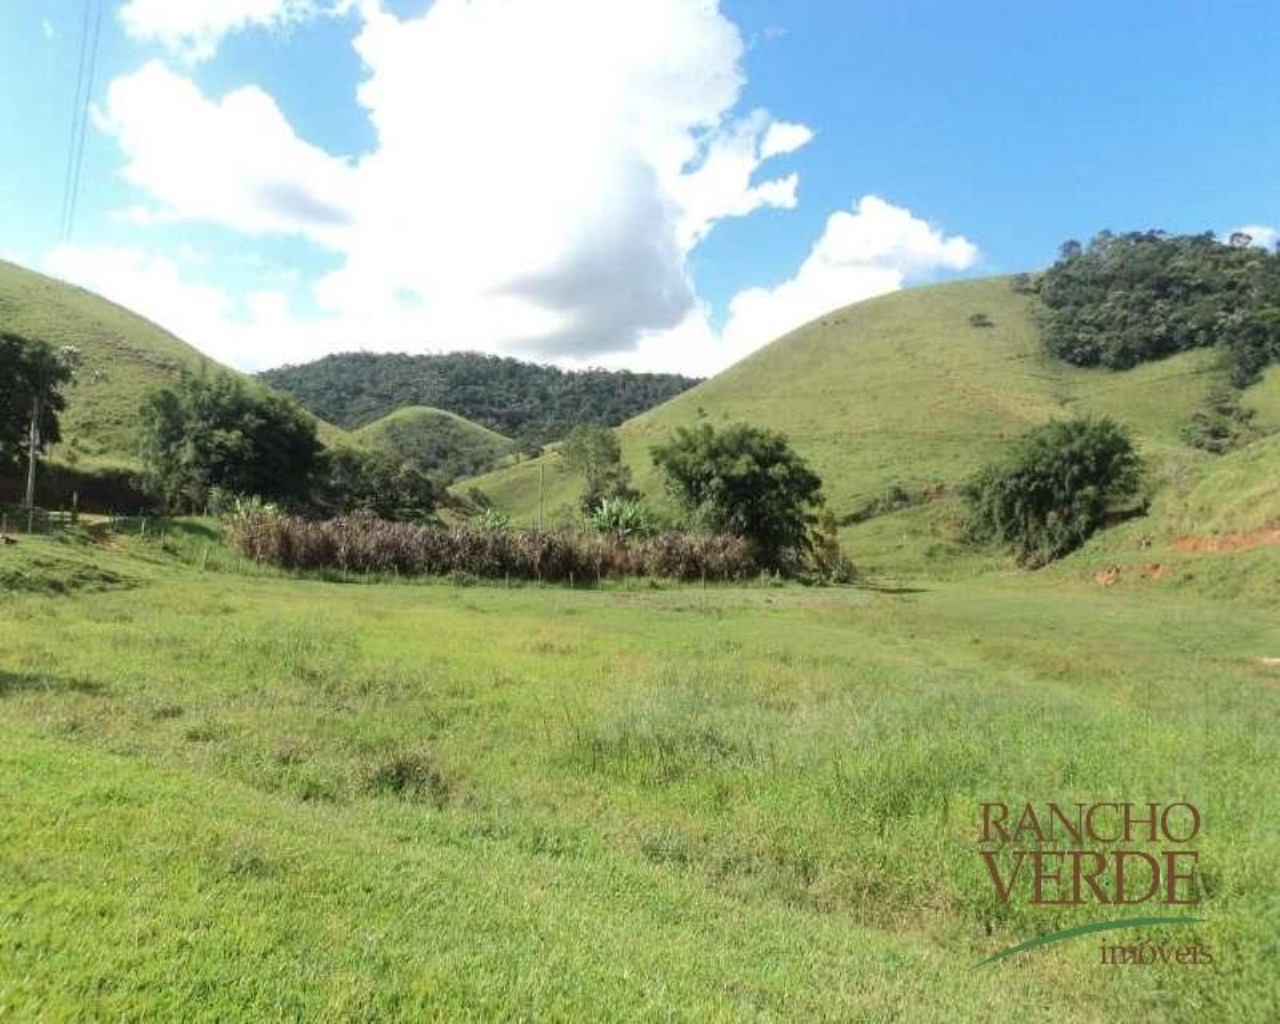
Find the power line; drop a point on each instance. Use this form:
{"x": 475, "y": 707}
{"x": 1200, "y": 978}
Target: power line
{"x": 80, "y": 116}
{"x": 75, "y": 121}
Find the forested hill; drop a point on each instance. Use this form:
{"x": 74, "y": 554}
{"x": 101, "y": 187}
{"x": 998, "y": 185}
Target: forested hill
{"x": 531, "y": 403}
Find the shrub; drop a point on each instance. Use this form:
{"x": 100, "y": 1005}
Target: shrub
{"x": 213, "y": 429}
{"x": 1221, "y": 424}
{"x": 1054, "y": 488}
{"x": 827, "y": 562}
{"x": 352, "y": 481}
{"x": 368, "y": 545}
{"x": 621, "y": 517}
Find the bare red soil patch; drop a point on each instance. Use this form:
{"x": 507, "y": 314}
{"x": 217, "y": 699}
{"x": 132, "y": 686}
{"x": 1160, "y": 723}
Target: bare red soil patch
{"x": 1230, "y": 541}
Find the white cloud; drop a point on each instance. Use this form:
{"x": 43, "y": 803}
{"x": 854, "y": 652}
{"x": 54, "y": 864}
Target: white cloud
{"x": 527, "y": 192}
{"x": 193, "y": 29}
{"x": 783, "y": 137}
{"x": 236, "y": 161}
{"x": 46, "y": 27}
{"x": 874, "y": 249}
{"x": 1263, "y": 236}
{"x": 146, "y": 283}
{"x": 721, "y": 185}
{"x": 262, "y": 333}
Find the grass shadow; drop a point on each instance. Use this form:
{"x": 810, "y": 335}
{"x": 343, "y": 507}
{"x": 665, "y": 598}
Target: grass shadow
{"x": 885, "y": 588}
{"x": 29, "y": 682}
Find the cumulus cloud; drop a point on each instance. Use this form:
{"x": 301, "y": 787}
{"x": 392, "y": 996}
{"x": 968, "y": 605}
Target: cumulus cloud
{"x": 872, "y": 249}
{"x": 235, "y": 161}
{"x": 260, "y": 331}
{"x": 721, "y": 186}
{"x": 527, "y": 194}
{"x": 192, "y": 29}
{"x": 547, "y": 190}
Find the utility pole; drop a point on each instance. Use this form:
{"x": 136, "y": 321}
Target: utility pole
{"x": 33, "y": 446}
{"x": 542, "y": 486}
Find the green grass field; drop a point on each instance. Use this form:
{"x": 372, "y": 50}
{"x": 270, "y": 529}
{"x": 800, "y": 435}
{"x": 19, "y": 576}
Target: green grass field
{"x": 232, "y": 795}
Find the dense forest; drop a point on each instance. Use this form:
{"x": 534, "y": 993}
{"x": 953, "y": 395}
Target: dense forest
{"x": 1126, "y": 299}
{"x": 531, "y": 403}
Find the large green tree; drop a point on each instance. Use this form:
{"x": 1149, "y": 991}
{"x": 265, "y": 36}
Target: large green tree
{"x": 1054, "y": 488}
{"x": 33, "y": 375}
{"x": 747, "y": 482}
{"x": 212, "y": 429}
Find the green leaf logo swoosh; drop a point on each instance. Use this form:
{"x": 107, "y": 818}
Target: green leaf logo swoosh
{"x": 1086, "y": 929}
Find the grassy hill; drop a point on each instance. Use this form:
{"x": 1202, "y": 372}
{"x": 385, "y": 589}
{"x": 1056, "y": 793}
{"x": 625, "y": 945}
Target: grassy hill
{"x": 123, "y": 356}
{"x": 437, "y": 442}
{"x": 904, "y": 392}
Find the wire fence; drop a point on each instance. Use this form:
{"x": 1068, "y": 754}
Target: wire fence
{"x": 19, "y": 519}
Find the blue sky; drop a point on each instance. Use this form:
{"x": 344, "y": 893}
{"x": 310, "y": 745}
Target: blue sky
{"x": 663, "y": 184}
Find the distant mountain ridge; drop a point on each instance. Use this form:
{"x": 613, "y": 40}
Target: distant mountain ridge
{"x": 531, "y": 403}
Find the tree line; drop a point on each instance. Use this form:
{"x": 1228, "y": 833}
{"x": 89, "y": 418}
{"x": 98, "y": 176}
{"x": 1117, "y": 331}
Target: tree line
{"x": 1127, "y": 299}
{"x": 212, "y": 436}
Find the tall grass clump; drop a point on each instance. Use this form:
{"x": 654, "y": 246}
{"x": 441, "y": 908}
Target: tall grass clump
{"x": 367, "y": 545}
